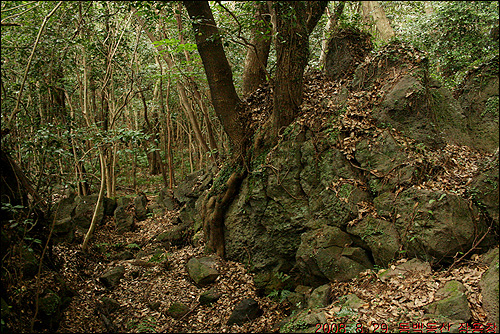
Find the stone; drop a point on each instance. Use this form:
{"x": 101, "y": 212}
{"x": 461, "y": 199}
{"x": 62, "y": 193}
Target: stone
{"x": 320, "y": 297}
{"x": 111, "y": 278}
{"x": 177, "y": 236}
{"x": 325, "y": 255}
{"x": 84, "y": 211}
{"x": 177, "y": 310}
{"x": 489, "y": 289}
{"x": 124, "y": 221}
{"x": 166, "y": 199}
{"x": 246, "y": 310}
{"x": 202, "y": 270}
{"x": 109, "y": 305}
{"x": 453, "y": 303}
{"x": 208, "y": 297}
{"x": 140, "y": 204}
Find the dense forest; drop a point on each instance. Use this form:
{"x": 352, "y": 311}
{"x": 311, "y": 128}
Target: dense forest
{"x": 191, "y": 143}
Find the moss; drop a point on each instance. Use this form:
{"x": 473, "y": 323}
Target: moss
{"x": 491, "y": 106}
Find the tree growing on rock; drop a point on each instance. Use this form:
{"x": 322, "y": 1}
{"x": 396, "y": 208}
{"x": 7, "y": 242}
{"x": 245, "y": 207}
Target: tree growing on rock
{"x": 293, "y": 23}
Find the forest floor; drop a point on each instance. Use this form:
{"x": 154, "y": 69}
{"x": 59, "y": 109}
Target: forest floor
{"x": 150, "y": 286}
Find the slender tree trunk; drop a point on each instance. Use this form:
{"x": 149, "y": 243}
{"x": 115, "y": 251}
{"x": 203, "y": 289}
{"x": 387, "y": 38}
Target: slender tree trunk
{"x": 99, "y": 203}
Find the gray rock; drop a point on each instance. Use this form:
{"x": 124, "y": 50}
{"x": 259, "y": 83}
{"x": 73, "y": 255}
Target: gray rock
{"x": 141, "y": 210}
{"x": 320, "y": 297}
{"x": 453, "y": 303}
{"x": 202, "y": 271}
{"x": 325, "y": 255}
{"x": 489, "y": 289}
{"x": 248, "y": 309}
{"x": 111, "y": 278}
{"x": 176, "y": 236}
{"x": 177, "y": 310}
{"x": 166, "y": 199}
{"x": 208, "y": 297}
{"x": 124, "y": 221}
{"x": 109, "y": 305}
{"x": 84, "y": 211}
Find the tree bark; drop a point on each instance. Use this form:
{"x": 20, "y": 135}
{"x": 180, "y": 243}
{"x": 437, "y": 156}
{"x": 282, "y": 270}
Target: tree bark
{"x": 295, "y": 20}
{"x": 227, "y": 104}
{"x": 332, "y": 23}
{"x": 373, "y": 9}
{"x": 254, "y": 73}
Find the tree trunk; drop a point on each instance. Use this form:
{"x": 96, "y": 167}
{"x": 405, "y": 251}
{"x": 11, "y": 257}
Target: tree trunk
{"x": 295, "y": 20}
{"x": 254, "y": 73}
{"x": 332, "y": 23}
{"x": 373, "y": 9}
{"x": 228, "y": 106}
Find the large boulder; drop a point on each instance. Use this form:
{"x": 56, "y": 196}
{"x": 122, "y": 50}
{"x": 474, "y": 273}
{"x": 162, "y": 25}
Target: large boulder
{"x": 84, "y": 211}
{"x": 478, "y": 96}
{"x": 325, "y": 254}
{"x": 202, "y": 270}
{"x": 489, "y": 287}
{"x": 432, "y": 225}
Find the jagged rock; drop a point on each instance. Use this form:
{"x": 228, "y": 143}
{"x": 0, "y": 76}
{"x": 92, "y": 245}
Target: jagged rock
{"x": 320, "y": 297}
{"x": 109, "y": 305}
{"x": 166, "y": 199}
{"x": 124, "y": 221}
{"x": 381, "y": 238}
{"x": 208, "y": 297}
{"x": 352, "y": 302}
{"x": 304, "y": 321}
{"x": 484, "y": 190}
{"x": 64, "y": 225}
{"x": 176, "y": 236}
{"x": 489, "y": 287}
{"x": 111, "y": 278}
{"x": 247, "y": 309}
{"x": 177, "y": 310}
{"x": 478, "y": 96}
{"x": 453, "y": 303}
{"x": 435, "y": 224}
{"x": 346, "y": 49}
{"x": 411, "y": 266}
{"x": 84, "y": 211}
{"x": 325, "y": 255}
{"x": 202, "y": 271}
{"x": 141, "y": 210}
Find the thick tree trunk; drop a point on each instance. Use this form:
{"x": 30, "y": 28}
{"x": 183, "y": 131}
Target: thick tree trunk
{"x": 373, "y": 9}
{"x": 228, "y": 106}
{"x": 254, "y": 73}
{"x": 295, "y": 20}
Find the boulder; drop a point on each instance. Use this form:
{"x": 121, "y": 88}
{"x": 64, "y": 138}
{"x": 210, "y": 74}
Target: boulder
{"x": 325, "y": 254}
{"x": 124, "y": 220}
{"x": 435, "y": 224}
{"x": 177, "y": 310}
{"x": 141, "y": 209}
{"x": 347, "y": 48}
{"x": 111, "y": 278}
{"x": 208, "y": 297}
{"x": 246, "y": 310}
{"x": 167, "y": 200}
{"x": 176, "y": 236}
{"x": 478, "y": 96}
{"x": 202, "y": 270}
{"x": 489, "y": 287}
{"x": 452, "y": 302}
{"x": 320, "y": 297}
{"x": 84, "y": 211}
